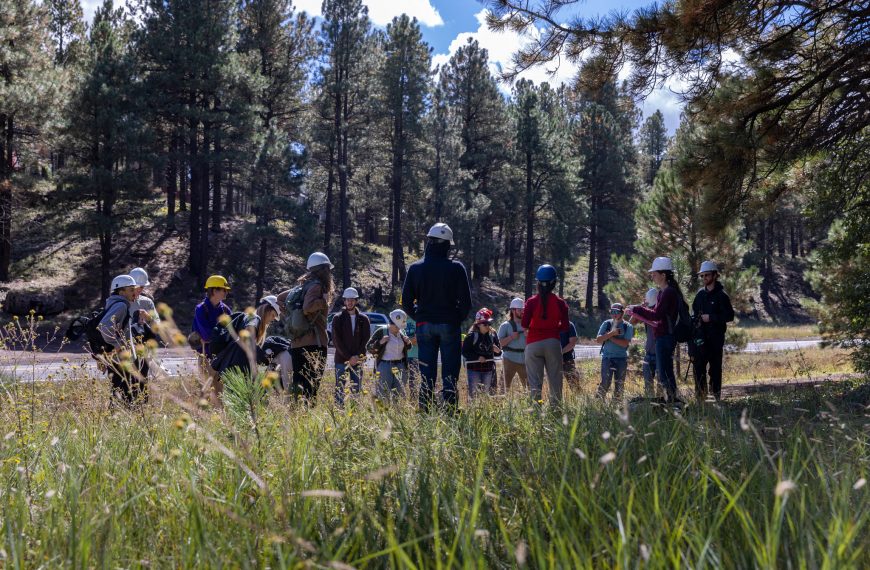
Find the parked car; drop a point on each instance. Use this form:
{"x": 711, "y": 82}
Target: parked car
{"x": 377, "y": 320}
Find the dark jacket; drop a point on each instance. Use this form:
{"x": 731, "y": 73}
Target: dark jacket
{"x": 436, "y": 289}
{"x": 375, "y": 347}
{"x": 350, "y": 342}
{"x": 476, "y": 345}
{"x": 717, "y": 304}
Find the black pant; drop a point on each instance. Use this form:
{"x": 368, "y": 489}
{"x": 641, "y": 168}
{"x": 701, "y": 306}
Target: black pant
{"x": 129, "y": 387}
{"x": 708, "y": 354}
{"x": 309, "y": 363}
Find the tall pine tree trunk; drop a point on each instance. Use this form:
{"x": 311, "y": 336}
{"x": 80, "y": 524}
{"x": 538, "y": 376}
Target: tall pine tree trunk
{"x": 6, "y": 158}
{"x": 342, "y": 191}
{"x": 217, "y": 179}
{"x": 593, "y": 246}
{"x": 530, "y": 227}
{"x": 172, "y": 180}
{"x": 261, "y": 267}
{"x": 330, "y": 183}
{"x": 396, "y": 184}
{"x": 195, "y": 198}
{"x": 230, "y": 205}
{"x": 204, "y": 210}
{"x": 603, "y": 265}
{"x": 184, "y": 182}
{"x": 512, "y": 257}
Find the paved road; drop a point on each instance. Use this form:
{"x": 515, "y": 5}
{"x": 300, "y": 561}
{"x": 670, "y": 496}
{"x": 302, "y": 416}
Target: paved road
{"x": 57, "y": 367}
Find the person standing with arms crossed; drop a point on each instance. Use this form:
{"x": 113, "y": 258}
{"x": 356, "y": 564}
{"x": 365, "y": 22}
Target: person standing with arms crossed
{"x": 712, "y": 310}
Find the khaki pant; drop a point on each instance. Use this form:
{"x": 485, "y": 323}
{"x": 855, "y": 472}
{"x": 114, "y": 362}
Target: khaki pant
{"x": 541, "y": 355}
{"x": 512, "y": 369}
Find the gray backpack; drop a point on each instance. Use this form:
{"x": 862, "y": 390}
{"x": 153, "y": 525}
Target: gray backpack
{"x": 296, "y": 324}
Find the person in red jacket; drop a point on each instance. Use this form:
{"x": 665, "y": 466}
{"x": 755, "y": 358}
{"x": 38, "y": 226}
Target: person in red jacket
{"x": 544, "y": 318}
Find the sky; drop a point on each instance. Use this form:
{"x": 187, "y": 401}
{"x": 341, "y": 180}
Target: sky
{"x": 447, "y": 25}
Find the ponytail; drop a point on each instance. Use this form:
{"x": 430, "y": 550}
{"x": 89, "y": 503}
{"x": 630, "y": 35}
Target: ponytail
{"x": 672, "y": 282}
{"x": 544, "y": 290}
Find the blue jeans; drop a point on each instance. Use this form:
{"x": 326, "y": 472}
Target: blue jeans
{"x": 665, "y": 346}
{"x": 432, "y": 338}
{"x": 342, "y": 373}
{"x": 613, "y": 369}
{"x": 649, "y": 374}
{"x": 391, "y": 380}
{"x": 480, "y": 383}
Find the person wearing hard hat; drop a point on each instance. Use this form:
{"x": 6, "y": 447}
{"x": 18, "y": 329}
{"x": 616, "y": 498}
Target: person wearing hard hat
{"x": 252, "y": 346}
{"x": 143, "y": 302}
{"x": 351, "y": 330}
{"x": 664, "y": 315}
{"x": 480, "y": 348}
{"x": 545, "y": 318}
{"x": 649, "y": 359}
{"x": 512, "y": 338}
{"x": 127, "y": 374}
{"x": 390, "y": 348}
{"x": 437, "y": 295}
{"x": 712, "y": 310}
{"x": 614, "y": 336}
{"x": 207, "y": 313}
{"x": 309, "y": 349}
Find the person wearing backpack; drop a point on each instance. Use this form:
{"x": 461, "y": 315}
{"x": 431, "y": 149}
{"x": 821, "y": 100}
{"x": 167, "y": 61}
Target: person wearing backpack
{"x": 545, "y": 318}
{"x": 614, "y": 336}
{"x": 437, "y": 295}
{"x": 712, "y": 310}
{"x": 670, "y": 326}
{"x": 143, "y": 302}
{"x": 306, "y": 307}
{"x": 127, "y": 372}
{"x": 480, "y": 348}
{"x": 248, "y": 348}
{"x": 390, "y": 348}
{"x": 351, "y": 330}
{"x": 207, "y": 313}
{"x": 512, "y": 339}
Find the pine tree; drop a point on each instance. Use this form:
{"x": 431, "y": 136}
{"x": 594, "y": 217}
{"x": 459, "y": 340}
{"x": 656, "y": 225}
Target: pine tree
{"x": 105, "y": 134}
{"x": 404, "y": 82}
{"x": 669, "y": 223}
{"x": 653, "y": 143}
{"x": 28, "y": 95}
{"x": 280, "y": 44}
{"x": 68, "y": 30}
{"x": 343, "y": 39}
{"x": 481, "y": 121}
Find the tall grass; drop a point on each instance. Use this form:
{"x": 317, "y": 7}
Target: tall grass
{"x": 498, "y": 485}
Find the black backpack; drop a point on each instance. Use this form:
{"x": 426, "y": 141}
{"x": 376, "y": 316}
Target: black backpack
{"x": 220, "y": 335}
{"x": 682, "y": 329}
{"x": 92, "y": 330}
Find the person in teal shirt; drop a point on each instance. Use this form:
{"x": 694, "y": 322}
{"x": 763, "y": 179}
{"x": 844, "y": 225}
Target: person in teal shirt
{"x": 614, "y": 336}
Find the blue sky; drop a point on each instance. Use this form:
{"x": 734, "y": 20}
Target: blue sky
{"x": 447, "y": 24}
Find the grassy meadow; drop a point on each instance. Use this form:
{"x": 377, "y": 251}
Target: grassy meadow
{"x": 769, "y": 482}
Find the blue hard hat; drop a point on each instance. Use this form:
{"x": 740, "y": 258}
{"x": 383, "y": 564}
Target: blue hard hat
{"x": 546, "y": 273}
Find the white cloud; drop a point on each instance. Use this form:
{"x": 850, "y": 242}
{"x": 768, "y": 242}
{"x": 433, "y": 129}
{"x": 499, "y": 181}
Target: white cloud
{"x": 382, "y": 12}
{"x": 501, "y": 47}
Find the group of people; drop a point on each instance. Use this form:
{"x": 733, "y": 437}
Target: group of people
{"x": 536, "y": 340}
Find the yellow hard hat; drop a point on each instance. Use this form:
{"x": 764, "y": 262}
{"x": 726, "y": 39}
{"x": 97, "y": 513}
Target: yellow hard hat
{"x": 217, "y": 282}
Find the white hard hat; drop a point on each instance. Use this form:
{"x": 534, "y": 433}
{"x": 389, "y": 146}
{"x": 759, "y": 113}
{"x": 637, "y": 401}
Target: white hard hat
{"x": 651, "y": 297}
{"x": 350, "y": 293}
{"x": 709, "y": 266}
{"x": 399, "y": 318}
{"x": 662, "y": 264}
{"x": 140, "y": 276}
{"x": 518, "y": 304}
{"x": 272, "y": 301}
{"x": 318, "y": 258}
{"x": 441, "y": 231}
{"x": 122, "y": 281}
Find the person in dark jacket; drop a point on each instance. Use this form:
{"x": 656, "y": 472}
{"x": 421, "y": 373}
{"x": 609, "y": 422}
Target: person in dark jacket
{"x": 712, "y": 310}
{"x": 480, "y": 348}
{"x": 437, "y": 295}
{"x": 351, "y": 331}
